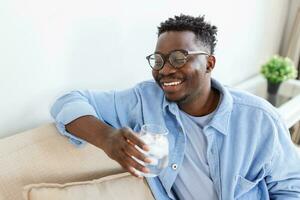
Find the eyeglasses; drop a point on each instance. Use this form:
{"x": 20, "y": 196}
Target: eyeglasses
{"x": 177, "y": 58}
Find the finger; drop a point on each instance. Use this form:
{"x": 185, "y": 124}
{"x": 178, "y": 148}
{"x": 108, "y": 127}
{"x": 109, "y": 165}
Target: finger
{"x": 133, "y": 163}
{"x": 131, "y": 170}
{"x": 126, "y": 161}
{"x": 134, "y": 172}
{"x": 132, "y": 151}
{"x": 130, "y": 135}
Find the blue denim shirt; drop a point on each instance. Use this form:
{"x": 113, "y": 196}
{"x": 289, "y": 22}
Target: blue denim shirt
{"x": 249, "y": 150}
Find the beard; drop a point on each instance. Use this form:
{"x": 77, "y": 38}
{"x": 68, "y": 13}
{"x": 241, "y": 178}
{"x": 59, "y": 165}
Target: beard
{"x": 191, "y": 92}
{"x": 181, "y": 100}
{"x": 186, "y": 98}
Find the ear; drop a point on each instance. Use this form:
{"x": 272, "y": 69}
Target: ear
{"x": 211, "y": 61}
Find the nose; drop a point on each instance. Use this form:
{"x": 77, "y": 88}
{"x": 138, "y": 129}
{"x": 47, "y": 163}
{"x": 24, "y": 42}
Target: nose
{"x": 167, "y": 69}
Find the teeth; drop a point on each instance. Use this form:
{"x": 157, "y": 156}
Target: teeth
{"x": 172, "y": 83}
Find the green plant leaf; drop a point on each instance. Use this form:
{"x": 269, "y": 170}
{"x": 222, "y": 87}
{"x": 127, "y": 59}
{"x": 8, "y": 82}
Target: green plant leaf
{"x": 278, "y": 69}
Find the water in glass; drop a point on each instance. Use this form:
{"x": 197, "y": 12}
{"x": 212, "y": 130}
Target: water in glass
{"x": 156, "y": 137}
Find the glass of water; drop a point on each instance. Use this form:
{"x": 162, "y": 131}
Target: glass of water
{"x": 155, "y": 136}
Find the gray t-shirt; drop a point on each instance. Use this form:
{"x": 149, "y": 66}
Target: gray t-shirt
{"x": 193, "y": 180}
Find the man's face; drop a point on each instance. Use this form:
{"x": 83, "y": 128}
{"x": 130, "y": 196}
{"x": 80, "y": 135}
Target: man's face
{"x": 184, "y": 84}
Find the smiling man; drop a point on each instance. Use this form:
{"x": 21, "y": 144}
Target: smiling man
{"x": 224, "y": 143}
{"x": 188, "y": 86}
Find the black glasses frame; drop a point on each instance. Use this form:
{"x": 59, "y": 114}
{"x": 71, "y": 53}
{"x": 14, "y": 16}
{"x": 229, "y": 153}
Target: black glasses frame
{"x": 167, "y": 57}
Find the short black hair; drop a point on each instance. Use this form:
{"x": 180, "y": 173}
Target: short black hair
{"x": 204, "y": 31}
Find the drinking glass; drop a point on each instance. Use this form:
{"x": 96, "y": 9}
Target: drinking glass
{"x": 155, "y": 136}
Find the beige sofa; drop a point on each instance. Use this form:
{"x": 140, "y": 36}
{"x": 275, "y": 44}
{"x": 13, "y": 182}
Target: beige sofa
{"x": 42, "y": 155}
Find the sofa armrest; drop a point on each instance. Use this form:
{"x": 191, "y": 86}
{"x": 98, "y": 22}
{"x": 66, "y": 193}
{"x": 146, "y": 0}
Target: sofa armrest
{"x": 43, "y": 155}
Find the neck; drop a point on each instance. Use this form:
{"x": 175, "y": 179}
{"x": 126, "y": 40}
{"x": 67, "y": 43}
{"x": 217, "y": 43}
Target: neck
{"x": 204, "y": 104}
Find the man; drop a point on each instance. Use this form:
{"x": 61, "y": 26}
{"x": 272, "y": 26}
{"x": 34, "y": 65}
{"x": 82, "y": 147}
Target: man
{"x": 224, "y": 143}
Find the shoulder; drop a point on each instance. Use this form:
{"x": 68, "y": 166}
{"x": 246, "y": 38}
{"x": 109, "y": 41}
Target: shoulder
{"x": 141, "y": 87}
{"x": 146, "y": 91}
{"x": 244, "y": 101}
{"x": 147, "y": 84}
{"x": 149, "y": 87}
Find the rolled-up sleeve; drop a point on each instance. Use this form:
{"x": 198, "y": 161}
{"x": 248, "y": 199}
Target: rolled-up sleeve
{"x": 109, "y": 107}
{"x": 70, "y": 107}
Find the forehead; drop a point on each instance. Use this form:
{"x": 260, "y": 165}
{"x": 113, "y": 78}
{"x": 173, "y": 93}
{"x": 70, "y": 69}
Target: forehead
{"x": 172, "y": 40}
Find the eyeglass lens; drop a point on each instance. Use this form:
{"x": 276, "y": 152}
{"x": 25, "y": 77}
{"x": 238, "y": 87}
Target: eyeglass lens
{"x": 177, "y": 59}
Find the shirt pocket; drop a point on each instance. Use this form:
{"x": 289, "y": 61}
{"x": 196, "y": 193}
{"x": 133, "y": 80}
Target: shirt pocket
{"x": 248, "y": 190}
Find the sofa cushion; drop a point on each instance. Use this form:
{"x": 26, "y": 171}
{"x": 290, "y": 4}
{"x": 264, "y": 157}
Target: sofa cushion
{"x": 42, "y": 155}
{"x": 120, "y": 186}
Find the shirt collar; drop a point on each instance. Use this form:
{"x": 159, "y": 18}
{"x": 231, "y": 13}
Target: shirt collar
{"x": 172, "y": 106}
{"x": 220, "y": 120}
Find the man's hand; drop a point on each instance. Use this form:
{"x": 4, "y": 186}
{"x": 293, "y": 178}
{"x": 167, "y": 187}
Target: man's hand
{"x": 119, "y": 145}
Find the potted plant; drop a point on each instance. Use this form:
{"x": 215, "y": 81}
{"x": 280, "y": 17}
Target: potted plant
{"x": 277, "y": 70}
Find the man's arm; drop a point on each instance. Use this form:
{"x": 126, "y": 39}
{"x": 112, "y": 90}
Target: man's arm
{"x": 283, "y": 178}
{"x": 90, "y": 129}
{"x": 76, "y": 114}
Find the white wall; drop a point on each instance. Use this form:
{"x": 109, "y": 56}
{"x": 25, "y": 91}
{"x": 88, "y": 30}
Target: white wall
{"x": 49, "y": 47}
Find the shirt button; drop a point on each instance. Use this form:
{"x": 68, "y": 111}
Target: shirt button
{"x": 179, "y": 130}
{"x": 174, "y": 166}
